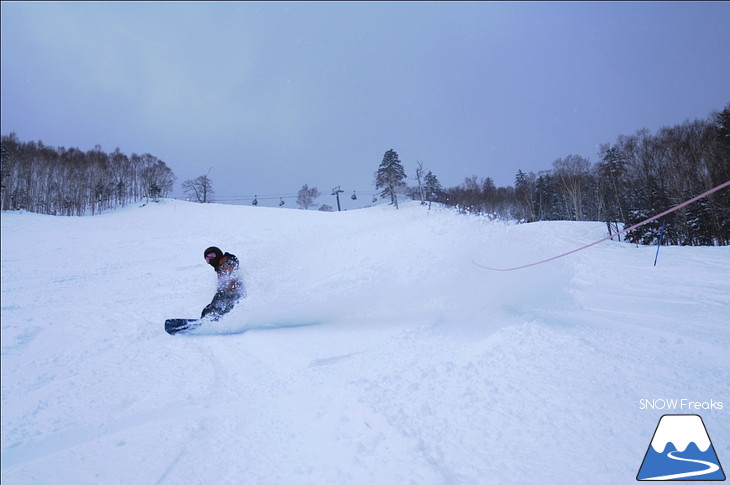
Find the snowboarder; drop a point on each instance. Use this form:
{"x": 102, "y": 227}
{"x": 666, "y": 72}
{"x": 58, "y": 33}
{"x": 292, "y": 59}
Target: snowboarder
{"x": 230, "y": 286}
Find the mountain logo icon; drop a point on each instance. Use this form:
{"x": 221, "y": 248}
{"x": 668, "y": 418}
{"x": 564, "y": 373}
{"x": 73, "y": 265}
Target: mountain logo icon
{"x": 680, "y": 450}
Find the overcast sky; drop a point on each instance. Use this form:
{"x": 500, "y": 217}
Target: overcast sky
{"x": 270, "y": 95}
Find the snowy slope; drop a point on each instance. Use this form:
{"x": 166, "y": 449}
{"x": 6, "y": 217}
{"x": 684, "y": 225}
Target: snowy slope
{"x": 377, "y": 352}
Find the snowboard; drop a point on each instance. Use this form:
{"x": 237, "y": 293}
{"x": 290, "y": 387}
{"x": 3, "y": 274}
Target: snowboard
{"x": 202, "y": 326}
{"x": 178, "y": 325}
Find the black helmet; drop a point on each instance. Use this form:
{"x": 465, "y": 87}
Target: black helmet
{"x": 218, "y": 254}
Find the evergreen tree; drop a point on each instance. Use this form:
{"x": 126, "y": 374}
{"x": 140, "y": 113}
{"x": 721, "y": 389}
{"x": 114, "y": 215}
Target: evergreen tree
{"x": 546, "y": 198}
{"x": 650, "y": 200}
{"x": 390, "y": 177}
{"x": 525, "y": 195}
{"x": 432, "y": 188}
{"x": 699, "y": 224}
{"x": 611, "y": 171}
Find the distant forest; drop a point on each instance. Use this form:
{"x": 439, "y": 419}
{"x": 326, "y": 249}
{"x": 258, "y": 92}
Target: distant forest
{"x": 636, "y": 177}
{"x": 70, "y": 182}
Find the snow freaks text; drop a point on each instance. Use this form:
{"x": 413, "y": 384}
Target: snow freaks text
{"x": 680, "y": 404}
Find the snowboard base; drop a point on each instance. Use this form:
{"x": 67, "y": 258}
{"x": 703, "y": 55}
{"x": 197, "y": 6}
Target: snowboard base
{"x": 177, "y": 325}
{"x": 196, "y": 326}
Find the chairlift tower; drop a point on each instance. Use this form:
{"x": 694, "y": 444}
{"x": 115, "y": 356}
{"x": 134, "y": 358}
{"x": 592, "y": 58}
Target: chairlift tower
{"x": 336, "y": 192}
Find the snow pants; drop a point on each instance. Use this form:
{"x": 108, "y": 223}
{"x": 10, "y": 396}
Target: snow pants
{"x": 223, "y": 302}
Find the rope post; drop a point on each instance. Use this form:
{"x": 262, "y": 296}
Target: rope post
{"x": 659, "y": 244}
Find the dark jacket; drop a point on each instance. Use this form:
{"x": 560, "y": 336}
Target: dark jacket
{"x": 229, "y": 280}
{"x": 230, "y": 287}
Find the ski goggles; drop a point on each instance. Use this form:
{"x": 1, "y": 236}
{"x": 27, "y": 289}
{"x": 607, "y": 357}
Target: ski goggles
{"x": 209, "y": 257}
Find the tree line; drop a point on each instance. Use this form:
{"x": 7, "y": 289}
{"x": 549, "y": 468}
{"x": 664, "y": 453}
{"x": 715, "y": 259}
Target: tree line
{"x": 636, "y": 177}
{"x": 68, "y": 181}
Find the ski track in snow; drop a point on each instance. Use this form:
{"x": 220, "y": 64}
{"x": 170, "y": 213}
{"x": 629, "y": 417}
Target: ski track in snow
{"x": 375, "y": 351}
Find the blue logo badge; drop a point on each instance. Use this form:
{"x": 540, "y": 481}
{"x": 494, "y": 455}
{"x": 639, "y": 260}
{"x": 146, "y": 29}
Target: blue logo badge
{"x": 680, "y": 450}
